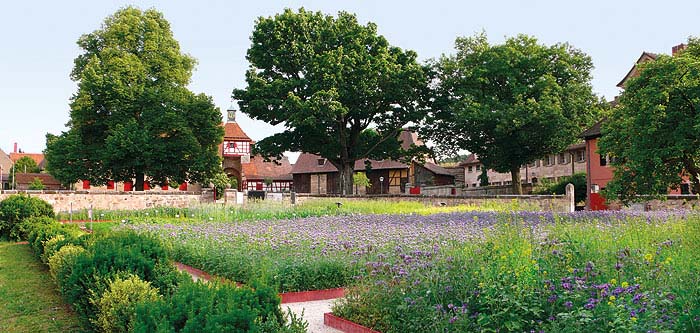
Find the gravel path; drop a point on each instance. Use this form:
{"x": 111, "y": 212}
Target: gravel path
{"x": 313, "y": 313}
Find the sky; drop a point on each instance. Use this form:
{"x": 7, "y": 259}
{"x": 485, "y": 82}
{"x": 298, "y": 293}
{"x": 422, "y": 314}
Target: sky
{"x": 39, "y": 43}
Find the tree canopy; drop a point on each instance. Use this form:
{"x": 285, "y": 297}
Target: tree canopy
{"x": 26, "y": 164}
{"x": 653, "y": 134}
{"x": 511, "y": 103}
{"x": 133, "y": 115}
{"x": 339, "y": 88}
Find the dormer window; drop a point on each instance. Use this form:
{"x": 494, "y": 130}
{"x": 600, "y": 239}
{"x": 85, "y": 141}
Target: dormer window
{"x": 321, "y": 161}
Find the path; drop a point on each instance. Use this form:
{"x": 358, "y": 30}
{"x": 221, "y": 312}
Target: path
{"x": 313, "y": 314}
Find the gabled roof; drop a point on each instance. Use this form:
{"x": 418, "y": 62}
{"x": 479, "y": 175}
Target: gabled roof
{"x": 646, "y": 56}
{"x": 436, "y": 169}
{"x": 594, "y": 131}
{"x": 232, "y": 131}
{"x": 309, "y": 163}
{"x": 38, "y": 158}
{"x": 408, "y": 137}
{"x": 5, "y": 162}
{"x": 259, "y": 169}
{"x": 470, "y": 160}
{"x": 46, "y": 179}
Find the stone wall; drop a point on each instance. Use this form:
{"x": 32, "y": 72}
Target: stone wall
{"x": 63, "y": 201}
{"x": 670, "y": 202}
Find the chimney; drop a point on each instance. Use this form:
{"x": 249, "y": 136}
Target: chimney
{"x": 678, "y": 48}
{"x": 15, "y": 147}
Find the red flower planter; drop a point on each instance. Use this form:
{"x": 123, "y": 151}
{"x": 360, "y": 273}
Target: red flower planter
{"x": 345, "y": 325}
{"x": 312, "y": 295}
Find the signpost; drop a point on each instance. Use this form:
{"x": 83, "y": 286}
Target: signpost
{"x": 381, "y": 185}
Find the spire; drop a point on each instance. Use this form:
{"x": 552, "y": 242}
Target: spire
{"x": 231, "y": 111}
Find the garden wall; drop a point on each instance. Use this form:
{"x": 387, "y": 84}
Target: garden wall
{"x": 670, "y": 202}
{"x": 62, "y": 201}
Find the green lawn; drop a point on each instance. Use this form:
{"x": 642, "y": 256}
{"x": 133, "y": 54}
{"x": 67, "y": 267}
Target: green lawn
{"x": 29, "y": 301}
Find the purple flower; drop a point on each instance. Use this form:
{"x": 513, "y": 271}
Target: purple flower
{"x": 568, "y": 304}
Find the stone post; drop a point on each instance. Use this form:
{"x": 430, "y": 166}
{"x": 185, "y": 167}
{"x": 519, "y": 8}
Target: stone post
{"x": 570, "y": 197}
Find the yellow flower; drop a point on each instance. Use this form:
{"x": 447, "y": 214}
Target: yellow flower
{"x": 544, "y": 273}
{"x": 625, "y": 284}
{"x": 533, "y": 262}
{"x": 649, "y": 257}
{"x": 633, "y": 319}
{"x": 612, "y": 298}
{"x": 613, "y": 281}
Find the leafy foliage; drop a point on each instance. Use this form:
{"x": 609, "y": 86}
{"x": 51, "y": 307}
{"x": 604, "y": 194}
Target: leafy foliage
{"x": 117, "y": 306}
{"x": 36, "y": 184}
{"x": 26, "y": 164}
{"x": 511, "y": 103}
{"x": 63, "y": 260}
{"x": 653, "y": 135}
{"x": 197, "y": 307}
{"x": 328, "y": 79}
{"x": 559, "y": 187}
{"x": 17, "y": 208}
{"x": 220, "y": 182}
{"x": 133, "y": 114}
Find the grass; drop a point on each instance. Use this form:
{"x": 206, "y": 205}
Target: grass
{"x": 30, "y": 302}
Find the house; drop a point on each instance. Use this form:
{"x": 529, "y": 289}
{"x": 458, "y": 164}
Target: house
{"x": 316, "y": 175}
{"x": 598, "y": 169}
{"x": 251, "y": 172}
{"x": 5, "y": 170}
{"x": 24, "y": 180}
{"x": 551, "y": 167}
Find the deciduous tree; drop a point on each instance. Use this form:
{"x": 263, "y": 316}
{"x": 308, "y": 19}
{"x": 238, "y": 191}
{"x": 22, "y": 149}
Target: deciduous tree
{"x": 339, "y": 88}
{"x": 511, "y": 103}
{"x": 133, "y": 115}
{"x": 652, "y": 136}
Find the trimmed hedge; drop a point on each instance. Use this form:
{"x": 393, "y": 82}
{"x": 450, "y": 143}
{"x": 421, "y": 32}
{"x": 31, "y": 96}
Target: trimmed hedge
{"x": 17, "y": 208}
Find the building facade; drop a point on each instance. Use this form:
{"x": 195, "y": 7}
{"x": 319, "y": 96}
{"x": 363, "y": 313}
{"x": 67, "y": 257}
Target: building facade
{"x": 551, "y": 168}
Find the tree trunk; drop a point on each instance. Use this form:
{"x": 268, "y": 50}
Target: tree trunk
{"x": 139, "y": 181}
{"x": 515, "y": 177}
{"x": 346, "y": 171}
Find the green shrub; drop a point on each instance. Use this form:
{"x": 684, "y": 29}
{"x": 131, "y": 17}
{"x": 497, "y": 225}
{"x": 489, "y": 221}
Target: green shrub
{"x": 578, "y": 179}
{"x": 107, "y": 257}
{"x": 116, "y": 307}
{"x": 61, "y": 262}
{"x": 51, "y": 246}
{"x": 39, "y": 233}
{"x": 197, "y": 307}
{"x": 15, "y": 209}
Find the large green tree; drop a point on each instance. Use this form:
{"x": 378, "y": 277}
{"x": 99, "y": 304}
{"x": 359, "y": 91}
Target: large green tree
{"x": 511, "y": 103}
{"x": 24, "y": 164}
{"x": 133, "y": 115}
{"x": 653, "y": 135}
{"x": 339, "y": 88}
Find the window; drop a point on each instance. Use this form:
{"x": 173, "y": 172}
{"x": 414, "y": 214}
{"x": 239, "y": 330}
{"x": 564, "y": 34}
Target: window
{"x": 473, "y": 184}
{"x": 550, "y": 160}
{"x": 564, "y": 158}
{"x": 478, "y": 167}
{"x": 321, "y": 161}
{"x": 469, "y": 168}
{"x": 603, "y": 160}
{"x": 534, "y": 164}
{"x": 581, "y": 155}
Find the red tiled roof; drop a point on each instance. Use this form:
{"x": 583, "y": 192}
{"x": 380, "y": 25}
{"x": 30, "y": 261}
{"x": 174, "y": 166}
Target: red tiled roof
{"x": 471, "y": 159}
{"x": 408, "y": 137}
{"x": 259, "y": 169}
{"x": 436, "y": 169}
{"x": 46, "y": 179}
{"x": 232, "y": 131}
{"x": 308, "y": 163}
{"x": 593, "y": 131}
{"x": 38, "y": 158}
{"x": 646, "y": 56}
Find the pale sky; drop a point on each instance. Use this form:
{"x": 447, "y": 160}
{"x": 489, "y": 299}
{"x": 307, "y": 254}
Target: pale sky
{"x": 38, "y": 43}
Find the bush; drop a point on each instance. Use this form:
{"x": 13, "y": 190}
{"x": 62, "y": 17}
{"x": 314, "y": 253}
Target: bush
{"x": 61, "y": 262}
{"x": 197, "y": 307}
{"x": 109, "y": 256}
{"x": 39, "y": 233}
{"x": 579, "y": 181}
{"x": 116, "y": 307}
{"x": 15, "y": 209}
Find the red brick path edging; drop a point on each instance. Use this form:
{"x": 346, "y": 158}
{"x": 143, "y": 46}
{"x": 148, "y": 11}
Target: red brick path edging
{"x": 312, "y": 295}
{"x": 198, "y": 273}
{"x": 344, "y": 325}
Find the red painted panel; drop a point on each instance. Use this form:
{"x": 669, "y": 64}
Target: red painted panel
{"x": 258, "y": 186}
{"x": 146, "y": 186}
{"x": 183, "y": 187}
{"x": 164, "y": 187}
{"x": 110, "y": 185}
{"x": 86, "y": 184}
{"x": 414, "y": 190}
{"x": 598, "y": 202}
{"x": 128, "y": 186}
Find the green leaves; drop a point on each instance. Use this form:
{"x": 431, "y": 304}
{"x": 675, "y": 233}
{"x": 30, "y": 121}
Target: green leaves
{"x": 132, "y": 113}
{"x": 653, "y": 133}
{"x": 511, "y": 103}
{"x": 328, "y": 79}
